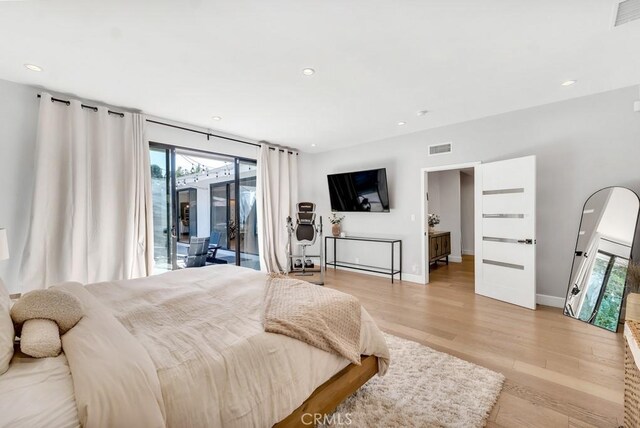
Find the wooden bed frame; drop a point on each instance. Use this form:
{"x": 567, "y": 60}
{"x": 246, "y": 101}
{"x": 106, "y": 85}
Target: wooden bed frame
{"x": 327, "y": 396}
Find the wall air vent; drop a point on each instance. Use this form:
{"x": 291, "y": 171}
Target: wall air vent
{"x": 627, "y": 11}
{"x": 440, "y": 149}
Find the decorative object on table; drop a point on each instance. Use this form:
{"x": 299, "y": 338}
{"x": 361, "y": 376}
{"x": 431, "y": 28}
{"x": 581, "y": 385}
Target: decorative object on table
{"x": 433, "y": 220}
{"x": 602, "y": 257}
{"x": 335, "y": 220}
{"x": 41, "y": 316}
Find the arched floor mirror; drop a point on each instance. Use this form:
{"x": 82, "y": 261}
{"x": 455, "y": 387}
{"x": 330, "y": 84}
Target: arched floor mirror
{"x": 602, "y": 256}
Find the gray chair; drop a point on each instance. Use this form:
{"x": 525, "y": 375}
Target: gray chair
{"x": 214, "y": 246}
{"x": 197, "y": 254}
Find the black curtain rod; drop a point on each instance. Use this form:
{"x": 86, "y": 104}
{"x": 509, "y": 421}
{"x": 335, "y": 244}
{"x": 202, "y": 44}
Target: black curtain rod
{"x": 208, "y": 134}
{"x": 170, "y": 125}
{"x": 202, "y": 133}
{"x": 83, "y": 106}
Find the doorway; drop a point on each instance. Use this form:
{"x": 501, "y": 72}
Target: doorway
{"x": 187, "y": 214}
{"x": 449, "y": 223}
{"x": 504, "y": 261}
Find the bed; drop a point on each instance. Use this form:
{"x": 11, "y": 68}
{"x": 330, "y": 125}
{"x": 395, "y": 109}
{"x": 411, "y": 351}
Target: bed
{"x": 185, "y": 348}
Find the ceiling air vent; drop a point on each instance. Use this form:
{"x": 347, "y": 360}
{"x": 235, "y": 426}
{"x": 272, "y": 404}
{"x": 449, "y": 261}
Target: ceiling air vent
{"x": 440, "y": 149}
{"x": 628, "y": 10}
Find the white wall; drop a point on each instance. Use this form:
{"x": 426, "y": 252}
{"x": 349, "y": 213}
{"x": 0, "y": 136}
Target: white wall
{"x": 581, "y": 145}
{"x": 467, "y": 205}
{"x": 444, "y": 200}
{"x": 18, "y": 121}
{"x": 433, "y": 188}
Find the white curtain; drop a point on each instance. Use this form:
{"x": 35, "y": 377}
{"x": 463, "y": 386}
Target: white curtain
{"x": 91, "y": 216}
{"x": 277, "y": 194}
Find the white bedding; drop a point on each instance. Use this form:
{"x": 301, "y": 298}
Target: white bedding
{"x": 37, "y": 393}
{"x": 203, "y": 336}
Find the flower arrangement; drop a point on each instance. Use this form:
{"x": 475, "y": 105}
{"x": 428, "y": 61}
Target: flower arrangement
{"x": 335, "y": 218}
{"x": 433, "y": 220}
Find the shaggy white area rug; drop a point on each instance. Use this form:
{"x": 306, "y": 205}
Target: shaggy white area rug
{"x": 423, "y": 388}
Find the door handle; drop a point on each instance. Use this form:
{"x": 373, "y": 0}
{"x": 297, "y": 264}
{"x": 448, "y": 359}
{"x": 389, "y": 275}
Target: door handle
{"x": 527, "y": 241}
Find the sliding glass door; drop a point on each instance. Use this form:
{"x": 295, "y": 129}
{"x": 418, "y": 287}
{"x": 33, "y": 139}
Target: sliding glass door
{"x": 220, "y": 212}
{"x": 223, "y": 217}
{"x": 200, "y": 194}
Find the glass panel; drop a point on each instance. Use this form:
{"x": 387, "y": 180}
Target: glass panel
{"x": 609, "y": 310}
{"x": 187, "y": 215}
{"x": 161, "y": 200}
{"x": 594, "y": 287}
{"x": 219, "y": 214}
{"x": 222, "y": 219}
{"x": 232, "y": 228}
{"x": 248, "y": 231}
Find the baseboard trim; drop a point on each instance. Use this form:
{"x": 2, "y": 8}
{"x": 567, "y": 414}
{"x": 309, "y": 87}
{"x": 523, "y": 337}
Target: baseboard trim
{"x": 553, "y": 301}
{"x": 468, "y": 253}
{"x": 455, "y": 259}
{"x": 406, "y": 277}
{"x": 541, "y": 299}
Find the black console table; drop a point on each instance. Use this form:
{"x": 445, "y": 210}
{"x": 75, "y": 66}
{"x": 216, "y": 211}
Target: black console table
{"x": 393, "y": 271}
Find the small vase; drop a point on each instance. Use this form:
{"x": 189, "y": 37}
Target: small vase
{"x": 432, "y": 229}
{"x": 335, "y": 229}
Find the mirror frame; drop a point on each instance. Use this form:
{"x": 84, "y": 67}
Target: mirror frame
{"x": 624, "y": 291}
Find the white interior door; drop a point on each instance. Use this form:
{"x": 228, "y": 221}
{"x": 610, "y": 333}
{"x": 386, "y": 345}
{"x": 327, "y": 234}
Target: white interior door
{"x": 507, "y": 270}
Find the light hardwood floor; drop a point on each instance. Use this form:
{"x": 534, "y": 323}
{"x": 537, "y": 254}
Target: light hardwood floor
{"x": 559, "y": 372}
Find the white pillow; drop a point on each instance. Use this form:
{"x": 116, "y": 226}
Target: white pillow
{"x": 7, "y": 334}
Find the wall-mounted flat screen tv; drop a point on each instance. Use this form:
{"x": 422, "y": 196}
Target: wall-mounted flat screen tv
{"x": 364, "y": 191}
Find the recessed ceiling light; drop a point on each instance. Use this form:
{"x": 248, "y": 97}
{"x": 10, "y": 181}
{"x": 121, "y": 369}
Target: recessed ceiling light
{"x": 422, "y": 112}
{"x": 33, "y": 67}
{"x": 313, "y": 145}
{"x": 568, "y": 82}
{"x": 308, "y": 71}
{"x": 216, "y": 118}
{"x": 402, "y": 123}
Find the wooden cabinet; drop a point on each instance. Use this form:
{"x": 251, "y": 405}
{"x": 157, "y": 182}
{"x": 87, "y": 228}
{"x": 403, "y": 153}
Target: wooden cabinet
{"x": 439, "y": 246}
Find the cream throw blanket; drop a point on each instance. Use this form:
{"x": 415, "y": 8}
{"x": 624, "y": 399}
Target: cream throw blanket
{"x": 318, "y": 316}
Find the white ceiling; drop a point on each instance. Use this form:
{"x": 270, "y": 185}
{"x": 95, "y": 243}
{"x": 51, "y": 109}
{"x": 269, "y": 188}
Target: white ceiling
{"x": 377, "y": 62}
